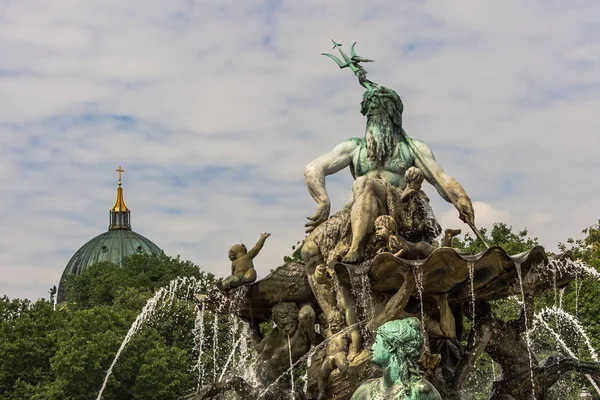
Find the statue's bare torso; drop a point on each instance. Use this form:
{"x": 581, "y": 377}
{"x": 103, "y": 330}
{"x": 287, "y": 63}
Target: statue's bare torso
{"x": 393, "y": 168}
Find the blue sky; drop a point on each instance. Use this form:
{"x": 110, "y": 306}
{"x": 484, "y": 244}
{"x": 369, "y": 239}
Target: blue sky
{"x": 214, "y": 108}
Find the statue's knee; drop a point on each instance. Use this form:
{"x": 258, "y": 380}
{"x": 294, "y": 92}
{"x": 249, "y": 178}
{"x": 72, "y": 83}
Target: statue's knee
{"x": 360, "y": 183}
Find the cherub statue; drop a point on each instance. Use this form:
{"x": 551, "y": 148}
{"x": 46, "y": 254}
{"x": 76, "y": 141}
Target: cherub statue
{"x": 335, "y": 352}
{"x": 385, "y": 231}
{"x": 397, "y": 348}
{"x": 332, "y": 298}
{"x": 242, "y": 267}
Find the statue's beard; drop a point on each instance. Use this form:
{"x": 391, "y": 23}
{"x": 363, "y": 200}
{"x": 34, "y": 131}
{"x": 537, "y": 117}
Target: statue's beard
{"x": 380, "y": 136}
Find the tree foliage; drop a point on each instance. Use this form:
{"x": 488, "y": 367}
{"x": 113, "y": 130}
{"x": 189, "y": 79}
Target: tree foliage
{"x": 48, "y": 354}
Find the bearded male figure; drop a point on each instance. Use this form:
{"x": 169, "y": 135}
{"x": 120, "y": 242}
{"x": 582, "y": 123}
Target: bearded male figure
{"x": 378, "y": 162}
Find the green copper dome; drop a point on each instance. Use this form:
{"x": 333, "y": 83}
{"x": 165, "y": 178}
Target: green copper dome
{"x": 112, "y": 246}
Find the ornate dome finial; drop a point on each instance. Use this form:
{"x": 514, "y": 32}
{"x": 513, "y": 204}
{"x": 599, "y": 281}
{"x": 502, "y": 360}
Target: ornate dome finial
{"x": 119, "y": 214}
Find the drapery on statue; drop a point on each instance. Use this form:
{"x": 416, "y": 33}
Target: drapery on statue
{"x": 242, "y": 267}
{"x": 378, "y": 161}
{"x": 397, "y": 349}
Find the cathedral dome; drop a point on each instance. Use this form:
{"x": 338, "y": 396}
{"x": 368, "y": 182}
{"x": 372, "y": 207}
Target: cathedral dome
{"x": 112, "y": 246}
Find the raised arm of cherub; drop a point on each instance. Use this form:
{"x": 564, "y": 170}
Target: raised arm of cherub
{"x": 258, "y": 246}
{"x": 451, "y": 191}
{"x": 315, "y": 172}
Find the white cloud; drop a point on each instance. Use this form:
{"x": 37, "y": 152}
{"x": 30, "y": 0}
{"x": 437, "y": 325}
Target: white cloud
{"x": 220, "y": 106}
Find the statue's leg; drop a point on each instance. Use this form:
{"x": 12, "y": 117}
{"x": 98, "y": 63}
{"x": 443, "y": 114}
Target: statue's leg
{"x": 341, "y": 362}
{"x": 395, "y": 305}
{"x": 347, "y": 304}
{"x": 250, "y": 276}
{"x": 369, "y": 201}
{"x": 232, "y": 281}
{"x": 324, "y": 372}
{"x": 447, "y": 323}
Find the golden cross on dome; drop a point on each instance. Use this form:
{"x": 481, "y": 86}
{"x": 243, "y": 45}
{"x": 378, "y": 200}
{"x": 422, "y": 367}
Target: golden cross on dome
{"x": 119, "y": 170}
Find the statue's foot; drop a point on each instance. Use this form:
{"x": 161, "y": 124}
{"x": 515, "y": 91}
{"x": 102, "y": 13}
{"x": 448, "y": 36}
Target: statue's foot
{"x": 351, "y": 355}
{"x": 352, "y": 257}
{"x": 452, "y": 232}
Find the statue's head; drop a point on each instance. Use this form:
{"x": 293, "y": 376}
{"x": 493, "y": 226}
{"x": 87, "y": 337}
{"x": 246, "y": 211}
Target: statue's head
{"x": 385, "y": 226}
{"x": 336, "y": 322}
{"x": 382, "y": 100}
{"x": 398, "y": 343}
{"x": 285, "y": 316}
{"x": 236, "y": 251}
{"x": 383, "y": 109}
{"x": 311, "y": 255}
{"x": 414, "y": 177}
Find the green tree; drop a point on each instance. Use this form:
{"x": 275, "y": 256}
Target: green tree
{"x": 65, "y": 354}
{"x": 26, "y": 345}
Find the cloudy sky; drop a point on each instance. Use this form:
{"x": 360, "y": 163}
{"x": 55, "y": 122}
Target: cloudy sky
{"x": 213, "y": 108}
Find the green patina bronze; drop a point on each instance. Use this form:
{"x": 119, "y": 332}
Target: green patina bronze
{"x": 375, "y": 91}
{"x": 397, "y": 349}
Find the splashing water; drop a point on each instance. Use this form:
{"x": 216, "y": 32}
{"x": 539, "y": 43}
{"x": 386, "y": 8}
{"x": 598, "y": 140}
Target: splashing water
{"x": 308, "y": 356}
{"x": 471, "y": 266}
{"x": 360, "y": 287}
{"x": 293, "y": 389}
{"x": 563, "y": 345}
{"x": 575, "y": 323}
{"x": 229, "y": 358}
{"x": 419, "y": 282}
{"x": 527, "y": 330}
{"x": 165, "y": 295}
{"x": 561, "y": 296}
{"x": 199, "y": 342}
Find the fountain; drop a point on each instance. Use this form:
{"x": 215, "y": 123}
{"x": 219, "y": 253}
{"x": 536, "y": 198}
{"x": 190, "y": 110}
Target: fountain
{"x": 374, "y": 289}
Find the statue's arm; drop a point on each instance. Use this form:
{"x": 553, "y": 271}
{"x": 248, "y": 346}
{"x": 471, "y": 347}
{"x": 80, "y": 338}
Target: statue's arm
{"x": 259, "y": 245}
{"x": 316, "y": 171}
{"x": 479, "y": 338}
{"x": 446, "y": 186}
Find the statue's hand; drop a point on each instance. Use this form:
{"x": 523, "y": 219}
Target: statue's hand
{"x": 264, "y": 235}
{"x": 319, "y": 217}
{"x": 465, "y": 211}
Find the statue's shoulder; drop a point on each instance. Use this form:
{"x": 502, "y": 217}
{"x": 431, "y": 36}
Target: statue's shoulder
{"x": 365, "y": 390}
{"x": 356, "y": 141}
{"x": 424, "y": 390}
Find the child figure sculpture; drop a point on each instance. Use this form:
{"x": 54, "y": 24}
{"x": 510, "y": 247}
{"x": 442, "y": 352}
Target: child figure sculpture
{"x": 242, "y": 267}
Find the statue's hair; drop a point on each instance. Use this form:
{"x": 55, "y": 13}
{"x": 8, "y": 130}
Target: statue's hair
{"x": 235, "y": 247}
{"x": 403, "y": 337}
{"x": 388, "y": 222}
{"x": 383, "y": 99}
{"x": 383, "y": 109}
{"x": 284, "y": 308}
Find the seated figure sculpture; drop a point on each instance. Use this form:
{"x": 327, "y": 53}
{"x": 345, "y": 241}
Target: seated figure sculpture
{"x": 385, "y": 231}
{"x": 333, "y": 299}
{"x": 378, "y": 162}
{"x": 242, "y": 267}
{"x": 397, "y": 349}
{"x": 274, "y": 351}
{"x": 335, "y": 353}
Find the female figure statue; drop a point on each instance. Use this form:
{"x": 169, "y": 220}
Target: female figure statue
{"x": 396, "y": 349}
